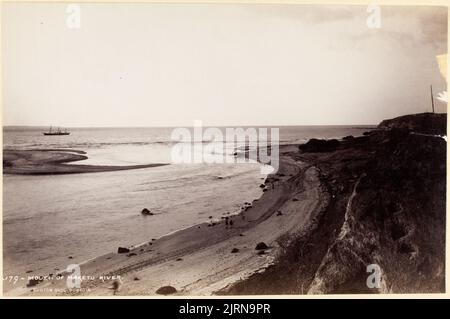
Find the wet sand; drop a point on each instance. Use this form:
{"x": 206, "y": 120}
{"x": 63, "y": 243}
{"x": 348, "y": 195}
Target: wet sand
{"x": 55, "y": 161}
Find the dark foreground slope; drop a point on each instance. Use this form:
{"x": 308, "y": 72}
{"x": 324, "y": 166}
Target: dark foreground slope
{"x": 387, "y": 207}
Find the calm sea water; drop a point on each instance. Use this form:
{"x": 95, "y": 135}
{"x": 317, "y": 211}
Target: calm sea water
{"x": 47, "y": 219}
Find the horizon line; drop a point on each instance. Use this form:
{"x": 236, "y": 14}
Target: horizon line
{"x": 189, "y": 126}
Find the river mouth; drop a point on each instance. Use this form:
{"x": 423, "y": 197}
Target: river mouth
{"x": 48, "y": 227}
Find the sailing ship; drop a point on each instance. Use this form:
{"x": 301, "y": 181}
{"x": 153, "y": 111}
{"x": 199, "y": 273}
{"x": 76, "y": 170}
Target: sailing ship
{"x": 57, "y": 132}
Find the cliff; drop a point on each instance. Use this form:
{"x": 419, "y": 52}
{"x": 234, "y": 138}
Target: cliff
{"x": 387, "y": 207}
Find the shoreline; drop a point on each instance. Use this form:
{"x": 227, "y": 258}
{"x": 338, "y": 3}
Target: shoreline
{"x": 327, "y": 213}
{"x": 204, "y": 250}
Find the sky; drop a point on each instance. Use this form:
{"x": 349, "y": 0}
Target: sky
{"x": 223, "y": 64}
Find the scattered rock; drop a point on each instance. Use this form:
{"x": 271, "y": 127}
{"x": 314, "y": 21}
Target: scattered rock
{"x": 122, "y": 250}
{"x": 70, "y": 257}
{"x": 234, "y": 250}
{"x": 136, "y": 278}
{"x": 261, "y": 252}
{"x": 295, "y": 199}
{"x": 179, "y": 259}
{"x": 29, "y": 271}
{"x": 261, "y": 246}
{"x": 279, "y": 213}
{"x": 146, "y": 212}
{"x": 262, "y": 185}
{"x": 131, "y": 255}
{"x": 33, "y": 282}
{"x": 166, "y": 290}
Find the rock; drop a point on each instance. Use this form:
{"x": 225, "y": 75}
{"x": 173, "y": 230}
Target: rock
{"x": 146, "y": 212}
{"x": 261, "y": 252}
{"x": 279, "y": 213}
{"x": 131, "y": 255}
{"x": 234, "y": 250}
{"x": 166, "y": 290}
{"x": 33, "y": 282}
{"x": 122, "y": 250}
{"x": 261, "y": 246}
{"x": 179, "y": 259}
{"x": 295, "y": 199}
{"x": 348, "y": 137}
{"x": 262, "y": 185}
{"x": 70, "y": 257}
{"x": 29, "y": 271}
{"x": 136, "y": 278}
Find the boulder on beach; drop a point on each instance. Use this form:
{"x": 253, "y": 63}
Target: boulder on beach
{"x": 146, "y": 211}
{"x": 122, "y": 250}
{"x": 166, "y": 290}
{"x": 33, "y": 282}
{"x": 261, "y": 246}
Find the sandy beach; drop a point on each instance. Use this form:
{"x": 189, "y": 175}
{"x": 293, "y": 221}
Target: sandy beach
{"x": 55, "y": 161}
{"x": 199, "y": 260}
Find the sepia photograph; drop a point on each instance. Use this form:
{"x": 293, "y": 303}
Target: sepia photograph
{"x": 223, "y": 150}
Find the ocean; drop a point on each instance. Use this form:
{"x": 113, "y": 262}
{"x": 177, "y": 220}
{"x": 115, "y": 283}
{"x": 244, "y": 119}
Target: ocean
{"x": 52, "y": 221}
